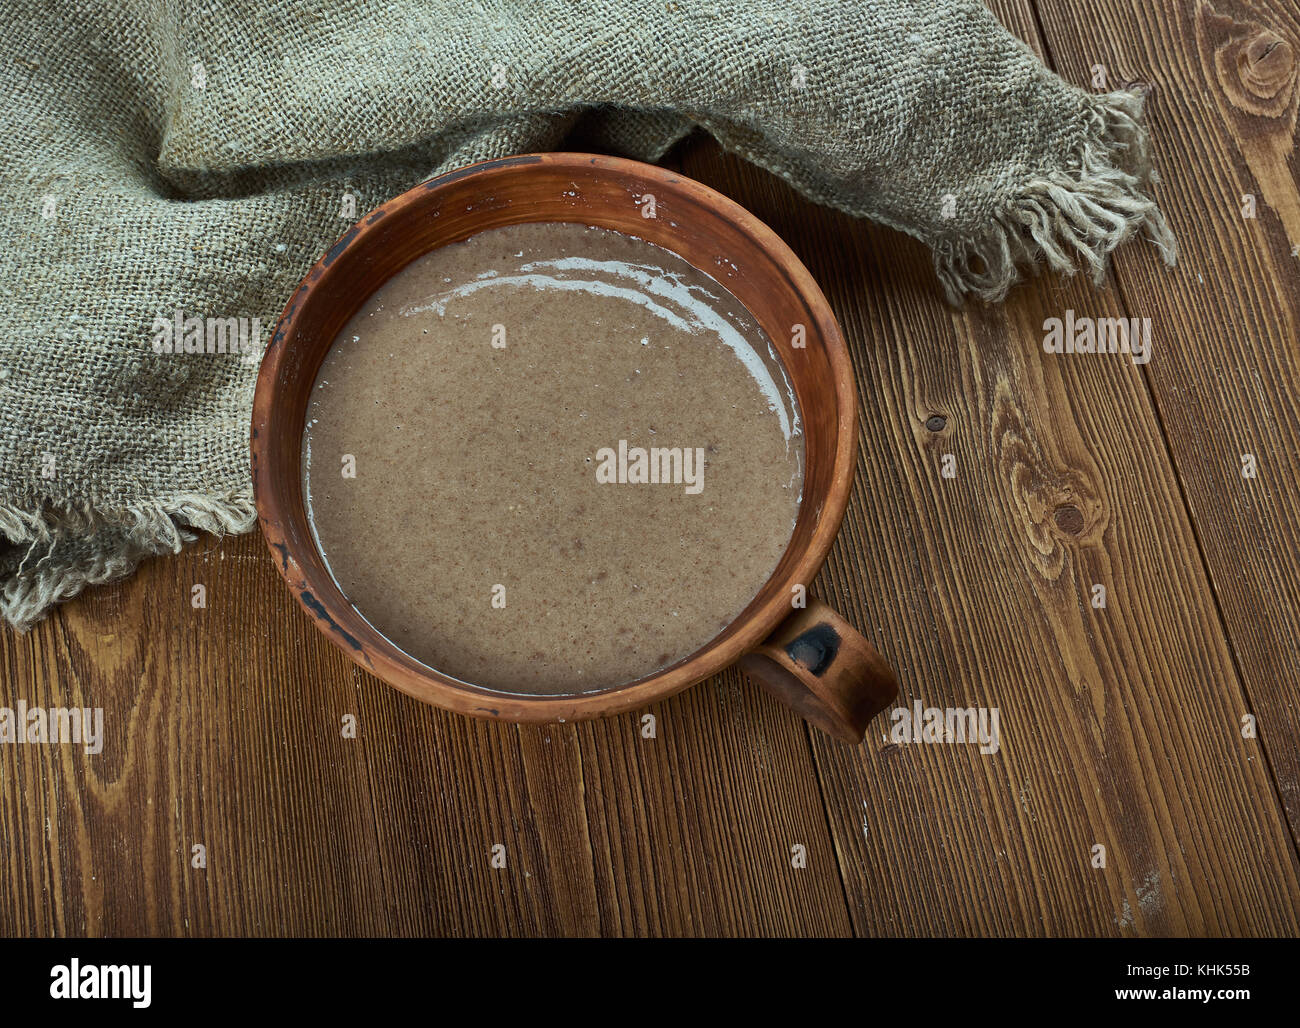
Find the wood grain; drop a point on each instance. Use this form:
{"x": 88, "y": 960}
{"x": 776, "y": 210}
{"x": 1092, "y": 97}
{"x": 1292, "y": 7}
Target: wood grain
{"x": 1226, "y": 375}
{"x": 1120, "y": 726}
{"x": 1110, "y": 715}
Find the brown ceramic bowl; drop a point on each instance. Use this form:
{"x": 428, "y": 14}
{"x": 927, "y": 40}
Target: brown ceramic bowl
{"x": 808, "y": 655}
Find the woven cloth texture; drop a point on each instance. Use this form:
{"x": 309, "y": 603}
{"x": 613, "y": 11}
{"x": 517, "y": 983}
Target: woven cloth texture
{"x": 165, "y": 157}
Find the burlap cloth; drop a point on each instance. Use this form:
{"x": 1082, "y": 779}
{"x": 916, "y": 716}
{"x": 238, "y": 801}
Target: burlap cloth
{"x": 162, "y": 155}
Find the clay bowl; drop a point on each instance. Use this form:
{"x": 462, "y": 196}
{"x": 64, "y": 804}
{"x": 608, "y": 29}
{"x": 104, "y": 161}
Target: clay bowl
{"x": 809, "y": 655}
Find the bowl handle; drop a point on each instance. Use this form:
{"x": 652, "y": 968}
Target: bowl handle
{"x": 819, "y": 665}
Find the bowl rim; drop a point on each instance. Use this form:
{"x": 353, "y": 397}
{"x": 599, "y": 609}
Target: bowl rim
{"x": 747, "y": 631}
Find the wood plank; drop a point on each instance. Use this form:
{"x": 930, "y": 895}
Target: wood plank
{"x": 1226, "y": 368}
{"x": 224, "y": 728}
{"x": 102, "y": 844}
{"x": 700, "y": 826}
{"x": 1121, "y": 724}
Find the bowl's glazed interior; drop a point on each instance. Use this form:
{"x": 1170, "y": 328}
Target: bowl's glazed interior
{"x": 707, "y": 230}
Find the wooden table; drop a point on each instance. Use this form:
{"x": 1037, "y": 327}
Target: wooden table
{"x": 1121, "y": 726}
